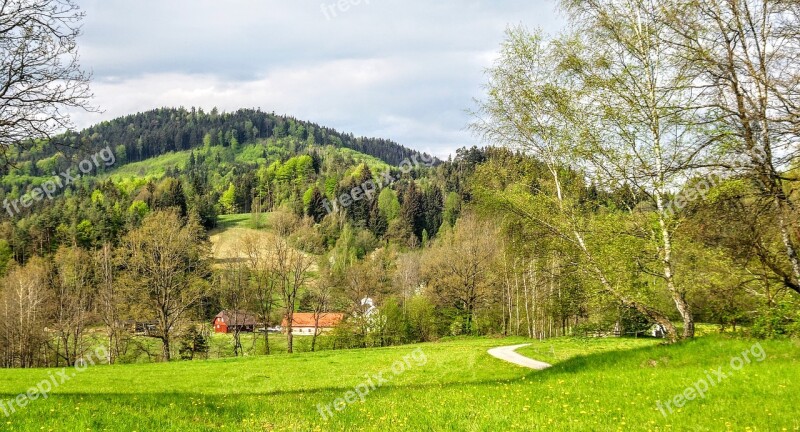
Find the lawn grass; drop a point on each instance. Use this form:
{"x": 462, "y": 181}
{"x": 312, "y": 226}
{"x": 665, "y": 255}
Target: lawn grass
{"x": 142, "y": 349}
{"x": 555, "y": 351}
{"x": 244, "y": 220}
{"x": 459, "y": 387}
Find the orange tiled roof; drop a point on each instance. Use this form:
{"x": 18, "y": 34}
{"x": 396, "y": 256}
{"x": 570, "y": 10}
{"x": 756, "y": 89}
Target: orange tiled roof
{"x": 306, "y": 319}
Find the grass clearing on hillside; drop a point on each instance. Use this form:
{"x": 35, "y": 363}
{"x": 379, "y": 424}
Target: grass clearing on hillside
{"x": 244, "y": 220}
{"x": 154, "y": 167}
{"x": 460, "y": 387}
{"x": 226, "y": 239}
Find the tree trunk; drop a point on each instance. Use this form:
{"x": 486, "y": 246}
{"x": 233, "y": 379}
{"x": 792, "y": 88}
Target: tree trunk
{"x": 165, "y": 347}
{"x": 266, "y": 339}
{"x": 786, "y": 237}
{"x": 678, "y": 296}
{"x": 316, "y": 329}
{"x": 527, "y": 305}
{"x": 289, "y": 336}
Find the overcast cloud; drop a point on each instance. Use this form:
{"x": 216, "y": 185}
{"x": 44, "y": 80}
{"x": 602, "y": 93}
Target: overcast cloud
{"x": 399, "y": 69}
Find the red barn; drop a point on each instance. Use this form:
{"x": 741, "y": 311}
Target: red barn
{"x": 229, "y": 320}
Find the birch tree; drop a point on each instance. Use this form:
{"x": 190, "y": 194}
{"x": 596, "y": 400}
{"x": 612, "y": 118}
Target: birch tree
{"x": 110, "y": 300}
{"x": 533, "y": 106}
{"x": 744, "y": 56}
{"x": 639, "y": 132}
{"x": 24, "y": 308}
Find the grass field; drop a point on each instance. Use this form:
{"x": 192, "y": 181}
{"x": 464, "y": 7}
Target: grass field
{"x": 231, "y": 229}
{"x": 142, "y": 349}
{"x": 457, "y": 387}
{"x": 151, "y": 168}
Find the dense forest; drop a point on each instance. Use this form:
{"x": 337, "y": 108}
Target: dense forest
{"x": 610, "y": 198}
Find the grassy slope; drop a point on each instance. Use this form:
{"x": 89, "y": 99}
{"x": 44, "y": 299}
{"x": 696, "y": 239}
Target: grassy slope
{"x": 225, "y": 239}
{"x": 375, "y": 165}
{"x": 150, "y": 168}
{"x": 231, "y": 229}
{"x": 459, "y": 388}
{"x": 156, "y": 167}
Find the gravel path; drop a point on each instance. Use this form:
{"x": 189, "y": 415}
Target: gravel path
{"x": 508, "y": 353}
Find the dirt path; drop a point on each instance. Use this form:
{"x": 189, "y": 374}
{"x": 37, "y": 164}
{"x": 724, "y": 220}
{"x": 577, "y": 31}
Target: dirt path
{"x": 508, "y": 353}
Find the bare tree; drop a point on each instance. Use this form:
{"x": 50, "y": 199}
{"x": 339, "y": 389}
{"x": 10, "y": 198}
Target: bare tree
{"x": 24, "y": 308}
{"x": 235, "y": 296}
{"x": 459, "y": 272}
{"x": 74, "y": 295}
{"x": 41, "y": 74}
{"x": 110, "y": 301}
{"x": 165, "y": 261}
{"x": 291, "y": 268}
{"x": 360, "y": 283}
{"x": 262, "y": 269}
{"x": 321, "y": 293}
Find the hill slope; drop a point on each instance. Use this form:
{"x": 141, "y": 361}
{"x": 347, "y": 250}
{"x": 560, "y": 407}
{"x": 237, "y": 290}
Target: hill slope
{"x": 141, "y": 136}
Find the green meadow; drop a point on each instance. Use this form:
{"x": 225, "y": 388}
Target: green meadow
{"x": 594, "y": 384}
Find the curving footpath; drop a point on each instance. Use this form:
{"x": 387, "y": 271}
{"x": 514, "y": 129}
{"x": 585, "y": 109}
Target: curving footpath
{"x": 509, "y": 354}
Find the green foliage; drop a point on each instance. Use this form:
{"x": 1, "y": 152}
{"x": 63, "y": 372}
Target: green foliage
{"x": 421, "y": 319}
{"x": 634, "y": 322}
{"x": 5, "y": 256}
{"x": 193, "y": 343}
{"x": 227, "y": 201}
{"x": 98, "y": 197}
{"x": 389, "y": 204}
{"x": 138, "y": 209}
{"x": 779, "y": 321}
{"x": 452, "y": 208}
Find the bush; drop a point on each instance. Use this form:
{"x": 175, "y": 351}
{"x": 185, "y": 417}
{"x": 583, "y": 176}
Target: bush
{"x": 779, "y": 321}
{"x": 193, "y": 343}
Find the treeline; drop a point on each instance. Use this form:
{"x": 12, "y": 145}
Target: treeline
{"x": 486, "y": 256}
{"x": 70, "y": 274}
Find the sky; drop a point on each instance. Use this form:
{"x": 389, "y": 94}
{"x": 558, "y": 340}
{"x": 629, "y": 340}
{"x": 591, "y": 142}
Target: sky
{"x": 405, "y": 70}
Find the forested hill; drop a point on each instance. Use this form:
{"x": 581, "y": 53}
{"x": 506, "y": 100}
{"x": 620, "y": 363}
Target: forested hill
{"x": 156, "y": 132}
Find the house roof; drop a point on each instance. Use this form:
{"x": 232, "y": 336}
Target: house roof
{"x": 243, "y": 318}
{"x": 304, "y": 319}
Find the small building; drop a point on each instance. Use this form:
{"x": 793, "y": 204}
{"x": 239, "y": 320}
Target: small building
{"x": 658, "y": 331}
{"x": 228, "y": 321}
{"x": 303, "y": 323}
{"x": 141, "y": 328}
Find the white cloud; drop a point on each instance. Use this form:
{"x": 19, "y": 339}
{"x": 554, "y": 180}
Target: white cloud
{"x": 402, "y": 70}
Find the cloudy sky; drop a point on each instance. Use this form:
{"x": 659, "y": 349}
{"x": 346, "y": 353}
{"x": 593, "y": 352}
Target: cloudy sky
{"x": 400, "y": 69}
